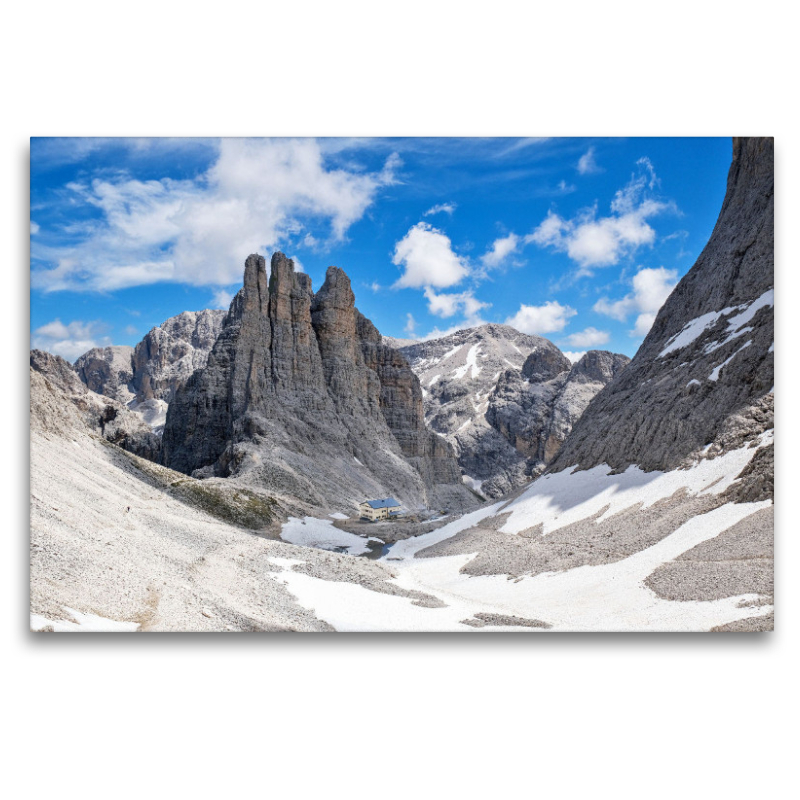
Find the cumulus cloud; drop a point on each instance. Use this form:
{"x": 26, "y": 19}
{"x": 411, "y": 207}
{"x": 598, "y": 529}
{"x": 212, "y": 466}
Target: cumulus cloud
{"x": 411, "y": 324}
{"x": 34, "y": 228}
{"x": 587, "y": 164}
{"x": 426, "y": 256}
{"x": 447, "y": 305}
{"x": 441, "y": 208}
{"x": 69, "y": 341}
{"x": 574, "y": 356}
{"x": 221, "y": 299}
{"x": 592, "y": 241}
{"x": 500, "y": 250}
{"x": 547, "y": 318}
{"x": 589, "y": 337}
{"x": 256, "y": 195}
{"x": 651, "y": 287}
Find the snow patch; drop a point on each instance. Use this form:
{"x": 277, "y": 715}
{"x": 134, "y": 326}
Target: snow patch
{"x": 472, "y": 363}
{"x": 321, "y": 534}
{"x": 607, "y": 597}
{"x": 84, "y": 623}
{"x": 434, "y": 379}
{"x": 566, "y": 497}
{"x": 338, "y": 515}
{"x": 740, "y": 320}
{"x": 693, "y": 329}
{"x": 693, "y": 382}
{"x": 714, "y": 376}
{"x": 285, "y": 563}
{"x": 736, "y": 324}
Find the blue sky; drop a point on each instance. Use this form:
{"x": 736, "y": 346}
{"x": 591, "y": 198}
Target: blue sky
{"x": 579, "y": 240}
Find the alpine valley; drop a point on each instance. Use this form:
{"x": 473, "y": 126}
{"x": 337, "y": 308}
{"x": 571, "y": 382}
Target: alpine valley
{"x": 210, "y": 478}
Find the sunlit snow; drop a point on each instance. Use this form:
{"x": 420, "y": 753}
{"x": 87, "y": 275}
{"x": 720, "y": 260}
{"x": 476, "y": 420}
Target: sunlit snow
{"x": 320, "y": 533}
{"x": 714, "y": 376}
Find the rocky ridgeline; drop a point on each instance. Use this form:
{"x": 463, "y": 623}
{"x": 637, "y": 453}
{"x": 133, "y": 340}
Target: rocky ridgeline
{"x": 505, "y": 400}
{"x": 300, "y": 395}
{"x": 146, "y": 377}
{"x": 60, "y": 402}
{"x": 702, "y": 382}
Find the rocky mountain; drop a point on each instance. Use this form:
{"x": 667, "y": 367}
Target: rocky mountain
{"x": 146, "y": 377}
{"x": 299, "y": 395}
{"x": 108, "y": 371}
{"x": 505, "y": 400}
{"x": 64, "y": 402}
{"x": 668, "y": 520}
{"x": 702, "y": 381}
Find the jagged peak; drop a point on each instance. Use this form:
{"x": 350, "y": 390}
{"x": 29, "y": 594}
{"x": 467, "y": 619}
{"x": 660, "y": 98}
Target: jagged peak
{"x": 336, "y": 290}
{"x": 600, "y": 365}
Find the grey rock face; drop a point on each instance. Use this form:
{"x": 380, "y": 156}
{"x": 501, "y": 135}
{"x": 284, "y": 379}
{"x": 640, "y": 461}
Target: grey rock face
{"x": 168, "y": 355}
{"x": 145, "y": 378}
{"x": 299, "y": 395}
{"x": 108, "y": 371}
{"x": 709, "y": 354}
{"x": 537, "y": 416}
{"x": 86, "y": 409}
{"x": 505, "y": 400}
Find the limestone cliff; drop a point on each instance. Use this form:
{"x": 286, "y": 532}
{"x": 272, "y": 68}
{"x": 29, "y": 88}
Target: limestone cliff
{"x": 299, "y": 395}
{"x": 706, "y": 368}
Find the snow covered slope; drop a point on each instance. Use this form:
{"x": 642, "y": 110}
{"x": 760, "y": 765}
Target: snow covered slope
{"x": 581, "y": 551}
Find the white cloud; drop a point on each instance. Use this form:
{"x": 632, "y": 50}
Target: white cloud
{"x": 256, "y": 195}
{"x": 69, "y": 341}
{"x": 574, "y": 356}
{"x": 34, "y": 227}
{"x": 589, "y": 337}
{"x": 500, "y": 250}
{"x": 131, "y": 330}
{"x": 221, "y": 299}
{"x": 600, "y": 242}
{"x": 521, "y": 144}
{"x": 441, "y": 208}
{"x": 411, "y": 325}
{"x": 447, "y": 305}
{"x": 651, "y": 287}
{"x": 427, "y": 258}
{"x": 547, "y": 318}
{"x": 298, "y": 266}
{"x": 587, "y": 164}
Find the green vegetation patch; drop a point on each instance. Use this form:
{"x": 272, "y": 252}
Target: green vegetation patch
{"x": 231, "y": 504}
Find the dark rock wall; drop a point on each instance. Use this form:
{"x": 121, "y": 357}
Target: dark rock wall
{"x": 665, "y": 405}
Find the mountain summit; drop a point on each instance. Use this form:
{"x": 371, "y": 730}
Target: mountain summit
{"x": 299, "y": 395}
{"x": 505, "y": 400}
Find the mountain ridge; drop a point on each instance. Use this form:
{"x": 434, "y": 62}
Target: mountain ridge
{"x": 505, "y": 400}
